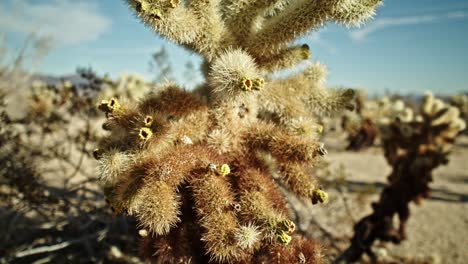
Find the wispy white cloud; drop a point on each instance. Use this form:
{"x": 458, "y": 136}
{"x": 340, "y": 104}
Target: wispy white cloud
{"x": 67, "y": 22}
{"x": 457, "y": 15}
{"x": 383, "y": 23}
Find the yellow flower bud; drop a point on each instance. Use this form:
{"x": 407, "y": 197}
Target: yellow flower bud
{"x": 224, "y": 170}
{"x": 287, "y": 226}
{"x": 149, "y": 10}
{"x": 319, "y": 129}
{"x": 283, "y": 238}
{"x": 145, "y": 133}
{"x": 305, "y": 51}
{"x": 319, "y": 196}
{"x": 103, "y": 105}
{"x": 148, "y": 121}
{"x": 258, "y": 83}
{"x": 155, "y": 13}
{"x": 109, "y": 106}
{"x": 246, "y": 84}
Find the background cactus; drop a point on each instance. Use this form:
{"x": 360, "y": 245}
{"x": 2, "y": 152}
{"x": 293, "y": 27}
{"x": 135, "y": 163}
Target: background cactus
{"x": 130, "y": 86}
{"x": 414, "y": 145}
{"x": 360, "y": 124}
{"x": 195, "y": 176}
{"x": 461, "y": 102}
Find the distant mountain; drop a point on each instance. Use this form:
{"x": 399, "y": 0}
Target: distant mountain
{"x": 75, "y": 79}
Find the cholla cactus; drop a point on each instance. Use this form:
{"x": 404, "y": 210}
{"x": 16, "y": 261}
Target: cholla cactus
{"x": 360, "y": 124}
{"x": 414, "y": 144}
{"x": 461, "y": 102}
{"x": 130, "y": 86}
{"x": 191, "y": 166}
{"x": 43, "y": 100}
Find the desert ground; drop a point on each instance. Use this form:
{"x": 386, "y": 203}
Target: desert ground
{"x": 437, "y": 229}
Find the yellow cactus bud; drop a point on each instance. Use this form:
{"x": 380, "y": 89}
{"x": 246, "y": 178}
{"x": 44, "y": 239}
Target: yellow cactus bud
{"x": 155, "y": 13}
{"x": 283, "y": 238}
{"x": 148, "y": 121}
{"x": 319, "y": 129}
{"x": 287, "y": 226}
{"x": 109, "y": 106}
{"x": 319, "y": 196}
{"x": 114, "y": 104}
{"x": 144, "y": 6}
{"x": 246, "y": 84}
{"x": 305, "y": 51}
{"x": 258, "y": 83}
{"x": 103, "y": 106}
{"x": 224, "y": 170}
{"x": 145, "y": 133}
{"x": 148, "y": 9}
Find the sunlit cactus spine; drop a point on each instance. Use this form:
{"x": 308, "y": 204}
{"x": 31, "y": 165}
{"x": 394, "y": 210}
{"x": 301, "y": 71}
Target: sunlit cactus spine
{"x": 195, "y": 168}
{"x": 415, "y": 143}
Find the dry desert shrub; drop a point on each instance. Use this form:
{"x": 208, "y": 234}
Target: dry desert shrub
{"x": 51, "y": 208}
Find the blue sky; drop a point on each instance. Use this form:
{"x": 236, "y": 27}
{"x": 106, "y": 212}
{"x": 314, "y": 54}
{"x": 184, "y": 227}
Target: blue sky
{"x": 410, "y": 46}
